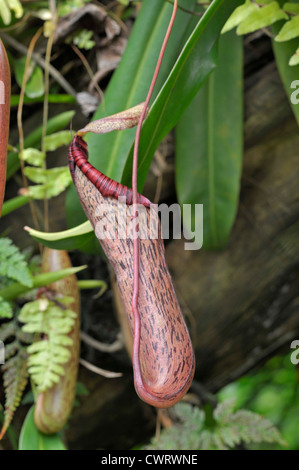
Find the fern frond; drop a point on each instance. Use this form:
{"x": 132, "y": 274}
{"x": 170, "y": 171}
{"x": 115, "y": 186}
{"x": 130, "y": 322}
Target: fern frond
{"x": 7, "y": 330}
{"x": 5, "y": 309}
{"x": 15, "y": 373}
{"x": 46, "y": 356}
{"x": 13, "y": 264}
{"x": 253, "y": 428}
{"x": 230, "y": 429}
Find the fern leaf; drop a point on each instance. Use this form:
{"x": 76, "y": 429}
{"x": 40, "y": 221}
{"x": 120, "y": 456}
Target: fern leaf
{"x": 7, "y": 330}
{"x": 224, "y": 410}
{"x": 14, "y": 370}
{"x": 47, "y": 355}
{"x": 15, "y": 379}
{"x": 229, "y": 436}
{"x": 254, "y": 428}
{"x": 185, "y": 434}
{"x": 5, "y": 309}
{"x": 13, "y": 264}
{"x": 229, "y": 429}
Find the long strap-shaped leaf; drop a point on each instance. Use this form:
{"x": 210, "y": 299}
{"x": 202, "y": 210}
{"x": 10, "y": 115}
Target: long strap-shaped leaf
{"x": 192, "y": 68}
{"x": 129, "y": 85}
{"x": 209, "y": 146}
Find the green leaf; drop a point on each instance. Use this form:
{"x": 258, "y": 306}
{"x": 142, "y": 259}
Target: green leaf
{"x": 15, "y": 377}
{"x": 289, "y": 75}
{"x": 13, "y": 291}
{"x": 35, "y": 83}
{"x": 84, "y": 40}
{"x": 209, "y": 147}
{"x": 231, "y": 428}
{"x": 34, "y": 139}
{"x": 290, "y": 30}
{"x": 32, "y": 439}
{"x": 195, "y": 63}
{"x": 47, "y": 355}
{"x": 72, "y": 239}
{"x": 14, "y": 370}
{"x": 291, "y": 8}
{"x": 263, "y": 2}
{"x": 264, "y": 16}
{"x": 13, "y": 204}
{"x": 5, "y": 309}
{"x": 181, "y": 86}
{"x": 294, "y": 60}
{"x": 57, "y": 139}
{"x": 129, "y": 86}
{"x": 13, "y": 264}
{"x": 239, "y": 15}
{"x": 53, "y": 181}
{"x": 251, "y": 427}
{"x": 33, "y": 156}
{"x": 93, "y": 284}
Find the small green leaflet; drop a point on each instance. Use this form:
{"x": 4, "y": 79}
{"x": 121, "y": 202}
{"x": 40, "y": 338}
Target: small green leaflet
{"x": 52, "y": 181}
{"x": 290, "y": 30}
{"x": 5, "y": 309}
{"x": 57, "y": 139}
{"x": 33, "y": 156}
{"x": 34, "y": 139}
{"x": 261, "y": 18}
{"x": 291, "y": 8}
{"x": 35, "y": 83}
{"x": 294, "y": 60}
{"x": 13, "y": 264}
{"x": 84, "y": 40}
{"x": 239, "y": 15}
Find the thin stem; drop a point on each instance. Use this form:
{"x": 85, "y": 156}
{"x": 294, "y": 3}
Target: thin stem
{"x": 137, "y": 326}
{"x": 89, "y": 70}
{"x": 19, "y": 119}
{"x": 52, "y": 5}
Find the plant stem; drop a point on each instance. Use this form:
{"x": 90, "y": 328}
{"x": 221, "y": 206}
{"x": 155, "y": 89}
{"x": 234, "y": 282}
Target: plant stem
{"x": 19, "y": 118}
{"x": 52, "y": 5}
